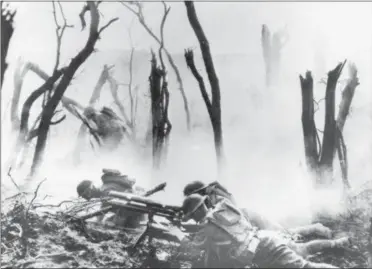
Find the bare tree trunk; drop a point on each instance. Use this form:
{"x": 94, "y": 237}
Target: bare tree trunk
{"x": 7, "y": 29}
{"x": 347, "y": 97}
{"x": 25, "y": 114}
{"x": 320, "y": 156}
{"x": 272, "y": 45}
{"x": 161, "y": 125}
{"x": 160, "y": 41}
{"x": 329, "y": 135}
{"x": 308, "y": 122}
{"x": 215, "y": 102}
{"x": 68, "y": 73}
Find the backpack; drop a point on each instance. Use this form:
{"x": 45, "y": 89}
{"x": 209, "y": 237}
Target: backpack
{"x": 114, "y": 176}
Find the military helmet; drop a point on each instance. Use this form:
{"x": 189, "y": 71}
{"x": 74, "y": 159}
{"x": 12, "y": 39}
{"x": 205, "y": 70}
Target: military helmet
{"x": 89, "y": 112}
{"x": 191, "y": 204}
{"x": 193, "y": 187}
{"x": 83, "y": 186}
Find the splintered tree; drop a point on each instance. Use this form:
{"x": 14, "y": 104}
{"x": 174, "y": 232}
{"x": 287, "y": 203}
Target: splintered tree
{"x": 272, "y": 46}
{"x": 20, "y": 124}
{"x": 161, "y": 125}
{"x": 320, "y": 156}
{"x": 7, "y": 29}
{"x": 138, "y": 12}
{"x": 213, "y": 104}
{"x": 55, "y": 85}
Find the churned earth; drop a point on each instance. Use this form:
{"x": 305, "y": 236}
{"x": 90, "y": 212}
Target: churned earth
{"x": 39, "y": 236}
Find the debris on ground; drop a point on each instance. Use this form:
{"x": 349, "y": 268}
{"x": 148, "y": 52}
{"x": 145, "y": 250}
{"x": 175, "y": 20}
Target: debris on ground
{"x": 37, "y": 236}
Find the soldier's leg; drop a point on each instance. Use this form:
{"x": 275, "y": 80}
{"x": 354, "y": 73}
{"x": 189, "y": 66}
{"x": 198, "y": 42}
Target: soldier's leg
{"x": 273, "y": 252}
{"x": 317, "y": 228}
{"x": 312, "y": 247}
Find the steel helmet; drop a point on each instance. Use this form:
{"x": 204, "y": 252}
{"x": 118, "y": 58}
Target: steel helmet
{"x": 191, "y": 204}
{"x": 83, "y": 186}
{"x": 193, "y": 187}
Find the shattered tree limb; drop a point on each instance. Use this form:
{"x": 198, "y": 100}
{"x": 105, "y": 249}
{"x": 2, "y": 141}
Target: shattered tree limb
{"x": 138, "y": 12}
{"x": 132, "y": 93}
{"x": 308, "y": 123}
{"x": 7, "y": 29}
{"x": 189, "y": 56}
{"x": 68, "y": 74}
{"x": 161, "y": 125}
{"x": 320, "y": 160}
{"x": 25, "y": 114}
{"x": 329, "y": 136}
{"x": 347, "y": 97}
{"x": 213, "y": 81}
{"x": 19, "y": 75}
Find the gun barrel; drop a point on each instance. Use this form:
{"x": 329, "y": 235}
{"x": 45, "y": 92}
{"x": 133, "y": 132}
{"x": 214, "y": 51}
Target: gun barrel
{"x": 140, "y": 208}
{"x": 143, "y": 200}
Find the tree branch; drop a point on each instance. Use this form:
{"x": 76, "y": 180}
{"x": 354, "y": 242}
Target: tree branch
{"x": 59, "y": 32}
{"x": 309, "y": 129}
{"x": 65, "y": 81}
{"x": 329, "y": 137}
{"x": 130, "y": 87}
{"x": 347, "y": 96}
{"x": 139, "y": 14}
{"x": 59, "y": 120}
{"x": 114, "y": 93}
{"x": 11, "y": 178}
{"x": 342, "y": 156}
{"x": 18, "y": 82}
{"x": 107, "y": 25}
{"x": 189, "y": 56}
{"x": 166, "y": 12}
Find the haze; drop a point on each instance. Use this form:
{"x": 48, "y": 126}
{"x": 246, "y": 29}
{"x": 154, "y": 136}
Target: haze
{"x": 264, "y": 145}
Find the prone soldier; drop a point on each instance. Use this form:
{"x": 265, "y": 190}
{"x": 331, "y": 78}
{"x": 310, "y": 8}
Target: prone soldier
{"x": 225, "y": 230}
{"x": 113, "y": 180}
{"x": 216, "y": 192}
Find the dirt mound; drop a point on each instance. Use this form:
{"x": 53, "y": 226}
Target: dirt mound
{"x": 35, "y": 237}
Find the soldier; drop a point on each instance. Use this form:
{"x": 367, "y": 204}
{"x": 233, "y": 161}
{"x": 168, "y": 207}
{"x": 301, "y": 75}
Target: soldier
{"x": 108, "y": 126}
{"x": 113, "y": 180}
{"x": 216, "y": 192}
{"x": 227, "y": 232}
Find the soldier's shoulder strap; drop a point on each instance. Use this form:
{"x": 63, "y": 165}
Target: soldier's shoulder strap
{"x": 216, "y": 184}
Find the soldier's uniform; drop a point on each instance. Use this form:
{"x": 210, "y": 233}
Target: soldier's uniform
{"x": 113, "y": 180}
{"x": 227, "y": 232}
{"x": 216, "y": 192}
{"x": 109, "y": 127}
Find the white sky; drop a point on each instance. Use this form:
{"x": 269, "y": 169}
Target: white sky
{"x": 230, "y": 27}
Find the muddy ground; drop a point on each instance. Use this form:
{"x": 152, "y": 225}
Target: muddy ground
{"x": 40, "y": 236}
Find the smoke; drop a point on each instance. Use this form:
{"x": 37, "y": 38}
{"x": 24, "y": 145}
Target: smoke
{"x": 266, "y": 169}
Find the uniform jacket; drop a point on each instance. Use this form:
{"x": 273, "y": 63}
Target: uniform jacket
{"x": 226, "y": 230}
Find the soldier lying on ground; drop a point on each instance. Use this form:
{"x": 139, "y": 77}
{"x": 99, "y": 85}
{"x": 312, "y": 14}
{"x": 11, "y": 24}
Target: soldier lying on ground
{"x": 216, "y": 192}
{"x": 225, "y": 231}
{"x": 113, "y": 180}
